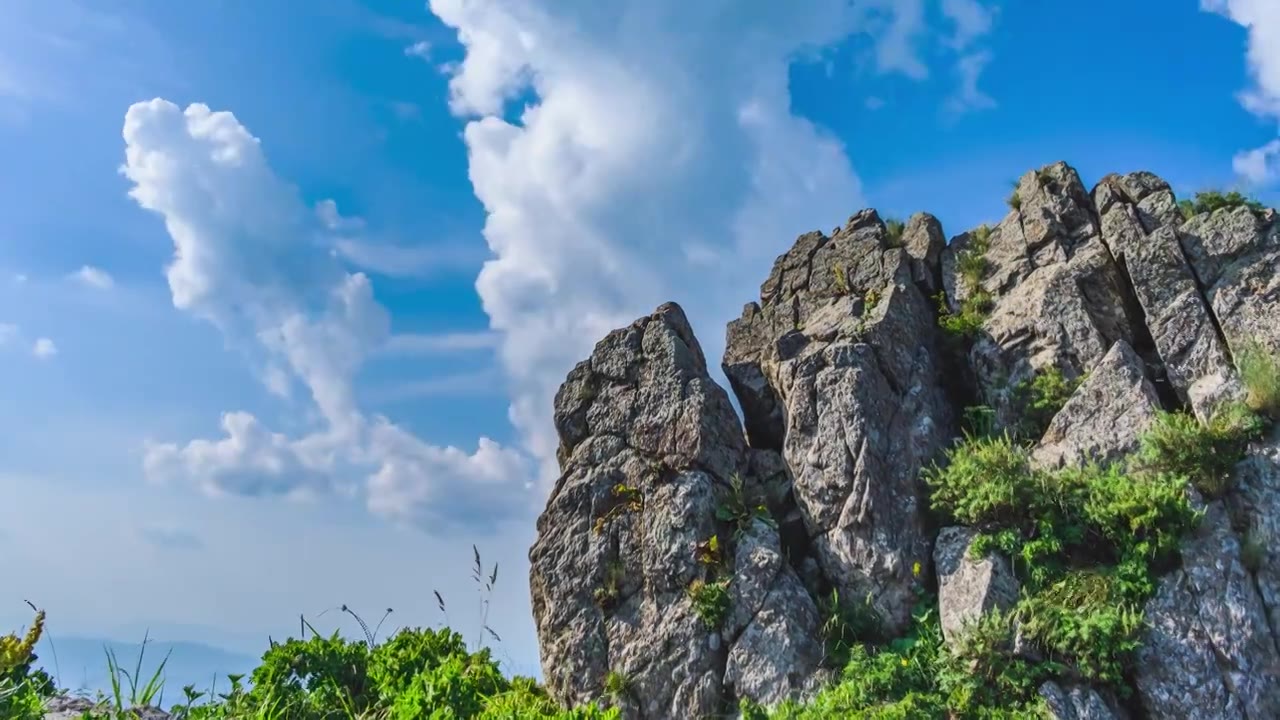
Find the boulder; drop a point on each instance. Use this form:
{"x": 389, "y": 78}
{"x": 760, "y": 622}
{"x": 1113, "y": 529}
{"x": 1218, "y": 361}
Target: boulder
{"x": 969, "y": 588}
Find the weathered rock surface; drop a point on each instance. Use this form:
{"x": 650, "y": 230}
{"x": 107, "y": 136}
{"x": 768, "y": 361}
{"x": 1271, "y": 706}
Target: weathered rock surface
{"x": 1059, "y": 298}
{"x": 1104, "y": 417}
{"x": 847, "y": 391}
{"x": 836, "y": 366}
{"x": 1079, "y": 703}
{"x": 1235, "y": 255}
{"x": 969, "y": 588}
{"x": 1176, "y": 313}
{"x": 650, "y": 448}
{"x": 1209, "y": 652}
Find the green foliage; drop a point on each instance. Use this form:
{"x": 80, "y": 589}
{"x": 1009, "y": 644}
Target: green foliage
{"x": 893, "y": 231}
{"x": 1087, "y": 542}
{"x": 1260, "y": 372}
{"x": 919, "y": 676}
{"x": 710, "y": 601}
{"x": 1204, "y": 454}
{"x": 1041, "y": 398}
{"x": 971, "y": 268}
{"x": 625, "y": 499}
{"x": 1015, "y": 200}
{"x": 606, "y": 596}
{"x": 1212, "y": 200}
{"x": 617, "y": 686}
{"x": 841, "y": 279}
{"x": 847, "y": 625}
{"x": 740, "y": 508}
{"x": 869, "y": 301}
{"x": 23, "y": 690}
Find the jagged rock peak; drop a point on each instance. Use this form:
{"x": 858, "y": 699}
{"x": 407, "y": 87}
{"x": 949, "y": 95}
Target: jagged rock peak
{"x": 689, "y": 553}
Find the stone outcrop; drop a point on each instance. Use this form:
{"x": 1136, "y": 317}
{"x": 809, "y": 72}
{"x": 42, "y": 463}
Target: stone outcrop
{"x": 825, "y": 376}
{"x": 651, "y": 452}
{"x": 691, "y": 553}
{"x": 969, "y": 587}
{"x": 1104, "y": 417}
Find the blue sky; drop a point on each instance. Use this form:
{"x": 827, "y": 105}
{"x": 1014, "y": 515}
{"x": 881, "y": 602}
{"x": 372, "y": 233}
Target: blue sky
{"x": 399, "y": 224}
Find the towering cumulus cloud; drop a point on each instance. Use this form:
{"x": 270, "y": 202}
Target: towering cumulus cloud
{"x": 250, "y": 257}
{"x": 633, "y": 152}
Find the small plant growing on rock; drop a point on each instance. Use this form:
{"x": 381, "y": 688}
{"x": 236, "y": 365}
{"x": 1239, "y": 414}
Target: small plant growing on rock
{"x": 846, "y": 625}
{"x": 1260, "y": 372}
{"x": 1213, "y": 200}
{"x": 708, "y": 552}
{"x": 971, "y": 268}
{"x": 1041, "y": 398}
{"x": 841, "y": 279}
{"x": 1043, "y": 176}
{"x": 1014, "y": 200}
{"x": 710, "y": 601}
{"x": 618, "y": 687}
{"x": 606, "y": 596}
{"x": 894, "y": 229}
{"x": 869, "y": 301}
{"x": 626, "y": 499}
{"x": 740, "y": 510}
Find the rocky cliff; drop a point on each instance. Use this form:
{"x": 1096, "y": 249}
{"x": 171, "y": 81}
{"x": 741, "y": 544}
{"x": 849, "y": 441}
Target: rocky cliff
{"x": 687, "y": 561}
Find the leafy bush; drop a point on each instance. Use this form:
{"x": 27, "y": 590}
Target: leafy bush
{"x": 1179, "y": 444}
{"x": 847, "y": 625}
{"x": 710, "y": 601}
{"x": 1041, "y": 398}
{"x": 893, "y": 230}
{"x": 1211, "y": 200}
{"x": 971, "y": 268}
{"x": 1260, "y": 372}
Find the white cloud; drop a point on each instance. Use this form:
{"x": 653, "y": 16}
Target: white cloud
{"x": 44, "y": 348}
{"x": 897, "y": 26}
{"x": 971, "y": 20}
{"x": 1259, "y": 166}
{"x": 94, "y": 277}
{"x": 249, "y": 257}
{"x": 660, "y": 134}
{"x": 408, "y": 261}
{"x": 8, "y": 331}
{"x": 968, "y": 96}
{"x": 874, "y": 103}
{"x": 1262, "y": 19}
{"x": 420, "y": 49}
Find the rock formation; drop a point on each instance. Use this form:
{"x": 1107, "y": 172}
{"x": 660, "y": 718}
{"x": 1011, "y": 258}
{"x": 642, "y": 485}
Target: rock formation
{"x": 684, "y": 557}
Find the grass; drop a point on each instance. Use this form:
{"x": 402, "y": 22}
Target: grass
{"x": 971, "y": 269}
{"x": 894, "y": 229}
{"x": 710, "y": 601}
{"x": 1260, "y": 373}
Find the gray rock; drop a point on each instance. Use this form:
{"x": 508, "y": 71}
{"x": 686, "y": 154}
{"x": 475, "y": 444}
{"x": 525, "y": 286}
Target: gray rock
{"x": 1209, "y": 651}
{"x": 969, "y": 588}
{"x": 650, "y": 449}
{"x": 1076, "y": 702}
{"x": 1177, "y": 316}
{"x": 924, "y": 242}
{"x": 1235, "y": 254}
{"x": 1059, "y": 300}
{"x": 1255, "y": 512}
{"x": 837, "y": 368}
{"x": 1105, "y": 417}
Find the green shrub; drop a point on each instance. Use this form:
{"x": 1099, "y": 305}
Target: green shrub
{"x": 986, "y": 481}
{"x": 1041, "y": 398}
{"x": 1260, "y": 372}
{"x": 1015, "y": 200}
{"x": 846, "y": 625}
{"x": 893, "y": 232}
{"x": 971, "y": 269}
{"x": 1179, "y": 444}
{"x": 710, "y": 601}
{"x": 1212, "y": 200}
